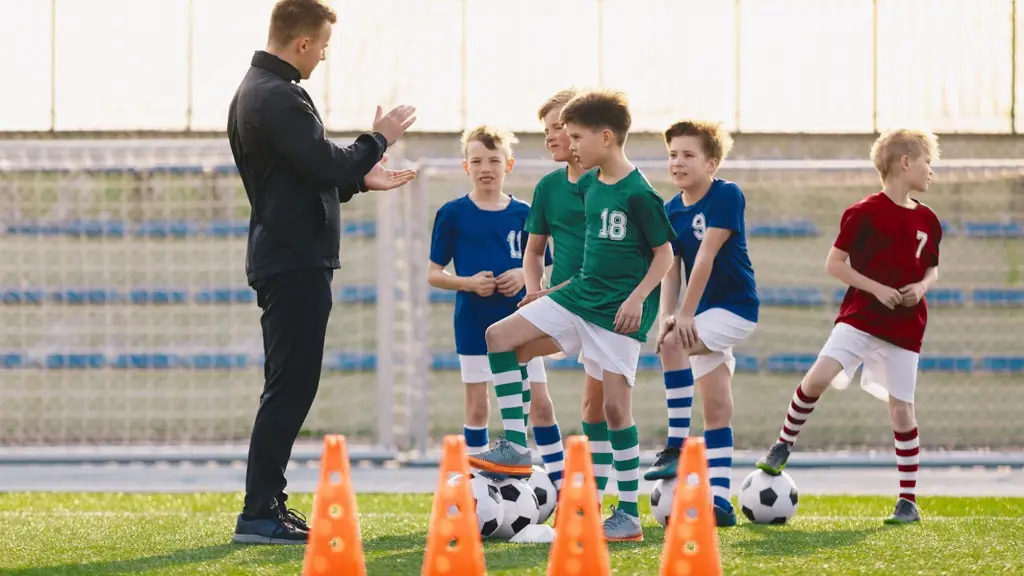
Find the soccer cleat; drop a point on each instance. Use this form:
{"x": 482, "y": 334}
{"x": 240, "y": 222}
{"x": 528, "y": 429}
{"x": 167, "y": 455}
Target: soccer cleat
{"x": 724, "y": 518}
{"x": 906, "y": 513}
{"x": 775, "y": 460}
{"x": 273, "y": 530}
{"x": 621, "y": 527}
{"x": 666, "y": 466}
{"x": 504, "y": 460}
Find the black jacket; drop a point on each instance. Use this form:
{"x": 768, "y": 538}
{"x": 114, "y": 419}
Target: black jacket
{"x": 294, "y": 177}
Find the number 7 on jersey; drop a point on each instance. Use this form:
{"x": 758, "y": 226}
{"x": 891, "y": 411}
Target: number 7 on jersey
{"x": 922, "y": 239}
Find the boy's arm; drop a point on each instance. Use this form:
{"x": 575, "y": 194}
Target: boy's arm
{"x": 697, "y": 281}
{"x": 630, "y": 313}
{"x": 670, "y": 287}
{"x": 838, "y": 266}
{"x": 533, "y": 261}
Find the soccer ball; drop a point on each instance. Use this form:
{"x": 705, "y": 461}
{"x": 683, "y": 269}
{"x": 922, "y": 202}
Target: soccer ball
{"x": 487, "y": 503}
{"x": 519, "y": 507}
{"x": 661, "y": 499}
{"x": 544, "y": 490}
{"x": 767, "y": 499}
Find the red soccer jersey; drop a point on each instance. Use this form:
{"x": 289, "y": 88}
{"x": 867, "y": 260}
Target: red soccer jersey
{"x": 895, "y": 246}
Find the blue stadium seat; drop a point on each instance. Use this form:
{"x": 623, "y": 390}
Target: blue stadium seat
{"x": 359, "y": 228}
{"x": 158, "y": 296}
{"x": 957, "y": 364}
{"x": 357, "y": 294}
{"x": 646, "y": 362}
{"x": 784, "y": 229}
{"x": 948, "y": 229}
{"x": 22, "y": 296}
{"x": 217, "y": 361}
{"x": 86, "y": 296}
{"x": 991, "y": 297}
{"x": 13, "y": 360}
{"x": 225, "y": 170}
{"x": 166, "y": 229}
{"x": 351, "y": 362}
{"x": 75, "y": 361}
{"x": 944, "y": 297}
{"x": 94, "y": 228}
{"x": 1011, "y": 364}
{"x": 228, "y": 228}
{"x": 445, "y": 361}
{"x": 747, "y": 364}
{"x": 790, "y": 296}
{"x": 563, "y": 364}
{"x": 438, "y": 296}
{"x": 993, "y": 230}
{"x": 225, "y": 296}
{"x": 788, "y": 363}
{"x": 176, "y": 170}
{"x": 147, "y": 361}
{"x": 44, "y": 229}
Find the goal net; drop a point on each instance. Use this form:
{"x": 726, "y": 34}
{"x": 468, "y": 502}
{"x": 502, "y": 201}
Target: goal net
{"x": 125, "y": 318}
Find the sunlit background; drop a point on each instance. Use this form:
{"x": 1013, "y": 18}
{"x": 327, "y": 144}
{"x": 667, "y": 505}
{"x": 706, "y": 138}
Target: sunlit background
{"x": 125, "y": 318}
{"x": 847, "y": 66}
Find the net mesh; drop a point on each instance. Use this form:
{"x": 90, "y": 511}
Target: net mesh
{"x": 126, "y": 318}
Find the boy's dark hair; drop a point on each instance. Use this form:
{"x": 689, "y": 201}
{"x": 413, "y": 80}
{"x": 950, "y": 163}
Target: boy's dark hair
{"x": 599, "y": 110}
{"x": 557, "y": 100}
{"x": 293, "y": 18}
{"x": 715, "y": 140}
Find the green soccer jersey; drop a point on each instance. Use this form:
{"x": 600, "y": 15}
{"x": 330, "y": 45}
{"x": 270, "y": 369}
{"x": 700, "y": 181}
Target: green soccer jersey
{"x": 557, "y": 211}
{"x": 625, "y": 222}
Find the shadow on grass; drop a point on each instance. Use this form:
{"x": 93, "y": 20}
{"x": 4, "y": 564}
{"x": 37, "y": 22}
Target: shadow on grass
{"x": 179, "y": 558}
{"x": 792, "y": 541}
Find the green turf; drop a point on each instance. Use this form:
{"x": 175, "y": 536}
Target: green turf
{"x": 54, "y": 534}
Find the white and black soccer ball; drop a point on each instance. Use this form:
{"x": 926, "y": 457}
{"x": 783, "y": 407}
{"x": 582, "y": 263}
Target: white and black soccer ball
{"x": 767, "y": 499}
{"x": 662, "y": 494}
{"x": 519, "y": 507}
{"x": 544, "y": 490}
{"x": 487, "y": 503}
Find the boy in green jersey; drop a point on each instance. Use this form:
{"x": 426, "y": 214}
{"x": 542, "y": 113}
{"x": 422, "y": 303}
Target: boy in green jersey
{"x": 607, "y": 308}
{"x": 556, "y": 212}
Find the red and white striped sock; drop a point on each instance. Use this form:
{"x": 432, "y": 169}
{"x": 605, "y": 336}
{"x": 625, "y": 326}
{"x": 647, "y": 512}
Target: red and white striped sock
{"x": 908, "y": 458}
{"x": 799, "y": 409}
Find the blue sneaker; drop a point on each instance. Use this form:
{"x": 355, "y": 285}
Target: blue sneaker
{"x": 273, "y": 530}
{"x": 725, "y": 518}
{"x": 504, "y": 460}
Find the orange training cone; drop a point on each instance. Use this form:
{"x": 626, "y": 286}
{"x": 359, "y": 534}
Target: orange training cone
{"x": 579, "y": 548}
{"x": 454, "y": 546}
{"x": 691, "y": 538}
{"x": 335, "y": 546}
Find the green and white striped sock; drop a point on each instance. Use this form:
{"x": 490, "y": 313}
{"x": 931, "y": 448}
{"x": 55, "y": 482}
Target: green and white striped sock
{"x": 626, "y": 451}
{"x": 600, "y": 455}
{"x": 526, "y": 397}
{"x": 508, "y": 385}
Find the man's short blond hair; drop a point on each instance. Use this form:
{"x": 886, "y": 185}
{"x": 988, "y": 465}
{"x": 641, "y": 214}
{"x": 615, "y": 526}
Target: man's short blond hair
{"x": 895, "y": 144}
{"x": 557, "y": 100}
{"x": 492, "y": 138}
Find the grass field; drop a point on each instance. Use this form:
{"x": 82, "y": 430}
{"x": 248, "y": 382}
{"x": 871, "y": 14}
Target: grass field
{"x": 107, "y": 534}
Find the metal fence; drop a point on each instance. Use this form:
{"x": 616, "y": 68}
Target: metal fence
{"x": 125, "y": 319}
{"x": 793, "y": 66}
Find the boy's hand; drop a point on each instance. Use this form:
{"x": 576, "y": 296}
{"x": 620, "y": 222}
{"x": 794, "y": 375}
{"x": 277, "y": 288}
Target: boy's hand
{"x": 531, "y": 296}
{"x": 482, "y": 283}
{"x": 666, "y": 329}
{"x": 889, "y": 297}
{"x": 510, "y": 282}
{"x": 912, "y": 294}
{"x": 686, "y": 328}
{"x": 627, "y": 319}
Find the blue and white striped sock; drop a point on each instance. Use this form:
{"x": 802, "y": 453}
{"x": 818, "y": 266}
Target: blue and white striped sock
{"x": 549, "y": 444}
{"x": 719, "y": 446}
{"x": 679, "y": 397}
{"x": 476, "y": 438}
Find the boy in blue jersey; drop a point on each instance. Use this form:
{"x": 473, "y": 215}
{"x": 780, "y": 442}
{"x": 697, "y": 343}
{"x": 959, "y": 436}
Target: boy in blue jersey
{"x": 483, "y": 232}
{"x": 719, "y": 307}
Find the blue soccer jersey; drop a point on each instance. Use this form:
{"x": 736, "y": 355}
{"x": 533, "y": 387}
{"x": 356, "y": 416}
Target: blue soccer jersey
{"x": 731, "y": 285}
{"x": 480, "y": 240}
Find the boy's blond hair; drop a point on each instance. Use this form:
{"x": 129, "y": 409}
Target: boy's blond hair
{"x": 598, "y": 110}
{"x": 715, "y": 140}
{"x": 492, "y": 138}
{"x": 894, "y": 144}
{"x": 557, "y": 100}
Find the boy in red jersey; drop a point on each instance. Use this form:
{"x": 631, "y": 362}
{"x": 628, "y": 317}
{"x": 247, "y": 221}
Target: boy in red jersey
{"x": 887, "y": 252}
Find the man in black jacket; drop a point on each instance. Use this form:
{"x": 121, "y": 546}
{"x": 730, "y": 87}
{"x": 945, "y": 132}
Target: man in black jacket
{"x": 295, "y": 180}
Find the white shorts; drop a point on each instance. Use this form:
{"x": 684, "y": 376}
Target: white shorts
{"x": 888, "y": 369}
{"x": 719, "y": 330}
{"x": 600, "y": 350}
{"x": 478, "y": 369}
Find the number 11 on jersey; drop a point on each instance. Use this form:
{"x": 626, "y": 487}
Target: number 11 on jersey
{"x": 515, "y": 246}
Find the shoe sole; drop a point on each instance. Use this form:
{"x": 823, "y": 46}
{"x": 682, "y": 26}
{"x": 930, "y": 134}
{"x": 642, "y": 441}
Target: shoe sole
{"x": 769, "y": 470}
{"x": 524, "y": 471}
{"x": 637, "y": 538}
{"x": 652, "y": 475}
{"x": 897, "y": 522}
{"x": 266, "y": 540}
